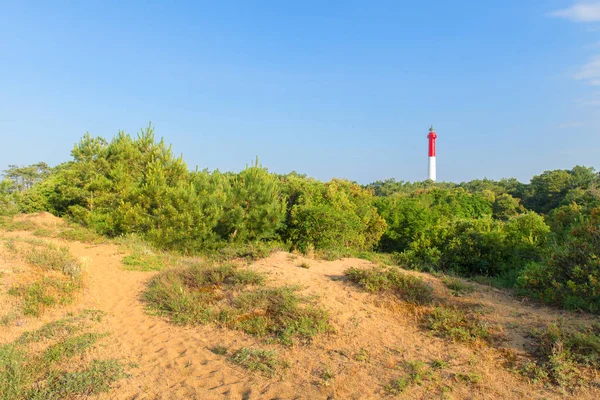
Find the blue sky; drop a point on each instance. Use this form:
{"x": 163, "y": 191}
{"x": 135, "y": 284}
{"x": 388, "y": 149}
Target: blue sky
{"x": 331, "y": 89}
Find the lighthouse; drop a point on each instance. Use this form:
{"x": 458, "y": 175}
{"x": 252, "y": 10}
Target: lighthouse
{"x": 432, "y": 136}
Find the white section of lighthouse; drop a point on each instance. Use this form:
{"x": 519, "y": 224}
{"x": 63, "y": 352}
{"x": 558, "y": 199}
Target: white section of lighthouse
{"x": 432, "y": 167}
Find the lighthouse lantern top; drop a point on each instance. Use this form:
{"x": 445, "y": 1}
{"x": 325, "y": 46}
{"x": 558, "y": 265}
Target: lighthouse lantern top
{"x": 432, "y": 134}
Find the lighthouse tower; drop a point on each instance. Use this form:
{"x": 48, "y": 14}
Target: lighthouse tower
{"x": 432, "y": 136}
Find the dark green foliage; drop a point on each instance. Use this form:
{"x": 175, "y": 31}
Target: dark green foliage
{"x": 505, "y": 206}
{"x": 337, "y": 214}
{"x": 548, "y": 190}
{"x": 570, "y": 276}
{"x": 406, "y": 287}
{"x": 254, "y": 206}
{"x": 424, "y": 213}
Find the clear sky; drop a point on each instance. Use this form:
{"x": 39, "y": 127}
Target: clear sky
{"x": 327, "y": 88}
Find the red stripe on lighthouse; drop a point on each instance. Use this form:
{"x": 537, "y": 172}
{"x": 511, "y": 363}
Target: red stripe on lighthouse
{"x": 432, "y": 136}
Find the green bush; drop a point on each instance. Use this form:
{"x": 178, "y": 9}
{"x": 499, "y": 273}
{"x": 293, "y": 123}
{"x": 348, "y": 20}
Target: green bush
{"x": 333, "y": 215}
{"x": 570, "y": 275}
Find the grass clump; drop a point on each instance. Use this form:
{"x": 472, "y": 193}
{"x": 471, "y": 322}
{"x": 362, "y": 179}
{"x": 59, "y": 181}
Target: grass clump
{"x": 406, "y": 287}
{"x": 229, "y": 296}
{"x": 144, "y": 261}
{"x": 96, "y": 378}
{"x": 219, "y": 350}
{"x": 28, "y": 373}
{"x": 265, "y": 362}
{"x": 567, "y": 356}
{"x": 470, "y": 377}
{"x": 81, "y": 234}
{"x": 304, "y": 265}
{"x": 452, "y": 323}
{"x": 53, "y": 258}
{"x": 142, "y": 257}
{"x": 36, "y": 297}
{"x": 457, "y": 286}
{"x": 70, "y": 346}
{"x": 278, "y": 312}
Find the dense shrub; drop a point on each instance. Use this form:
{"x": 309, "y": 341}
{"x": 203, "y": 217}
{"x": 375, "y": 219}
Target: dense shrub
{"x": 337, "y": 214}
{"x": 254, "y": 205}
{"x": 425, "y": 213}
{"x": 570, "y": 275}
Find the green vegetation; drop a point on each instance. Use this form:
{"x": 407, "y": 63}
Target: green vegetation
{"x": 452, "y": 323}
{"x": 58, "y": 283}
{"x": 27, "y": 373}
{"x": 265, "y": 362}
{"x": 416, "y": 373}
{"x": 564, "y": 353}
{"x": 47, "y": 292}
{"x": 540, "y": 237}
{"x": 406, "y": 287}
{"x": 457, "y": 286}
{"x": 219, "y": 350}
{"x": 229, "y": 296}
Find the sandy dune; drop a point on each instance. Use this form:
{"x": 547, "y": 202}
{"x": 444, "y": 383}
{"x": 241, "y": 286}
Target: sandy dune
{"x": 175, "y": 362}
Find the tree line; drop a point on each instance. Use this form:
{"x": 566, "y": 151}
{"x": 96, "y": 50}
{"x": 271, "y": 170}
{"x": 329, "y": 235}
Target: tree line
{"x": 541, "y": 237}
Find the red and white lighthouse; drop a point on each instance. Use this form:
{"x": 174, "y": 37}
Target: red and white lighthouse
{"x": 432, "y": 136}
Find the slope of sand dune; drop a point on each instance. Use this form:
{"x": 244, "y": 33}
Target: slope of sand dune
{"x": 372, "y": 337}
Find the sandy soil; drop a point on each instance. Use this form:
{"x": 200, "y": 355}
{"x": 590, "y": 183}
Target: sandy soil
{"x": 176, "y": 362}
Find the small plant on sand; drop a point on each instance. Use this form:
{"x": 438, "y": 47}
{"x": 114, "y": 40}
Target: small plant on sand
{"x": 326, "y": 374}
{"x": 362, "y": 355}
{"x": 452, "y": 323}
{"x": 251, "y": 251}
{"x": 457, "y": 286}
{"x": 407, "y": 287}
{"x": 439, "y": 364}
{"x": 265, "y": 362}
{"x": 470, "y": 377}
{"x": 219, "y": 350}
{"x": 304, "y": 265}
{"x": 416, "y": 372}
